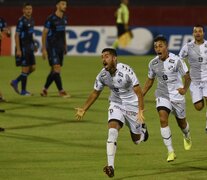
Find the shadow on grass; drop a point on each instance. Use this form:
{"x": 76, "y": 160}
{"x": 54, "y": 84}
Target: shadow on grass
{"x": 66, "y": 142}
{"x": 158, "y": 174}
{"x": 52, "y": 105}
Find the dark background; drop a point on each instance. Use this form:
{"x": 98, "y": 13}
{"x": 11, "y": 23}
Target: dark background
{"x": 101, "y": 12}
{"x": 110, "y": 2}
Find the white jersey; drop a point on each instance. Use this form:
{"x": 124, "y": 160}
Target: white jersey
{"x": 121, "y": 84}
{"x": 197, "y": 58}
{"x": 169, "y": 76}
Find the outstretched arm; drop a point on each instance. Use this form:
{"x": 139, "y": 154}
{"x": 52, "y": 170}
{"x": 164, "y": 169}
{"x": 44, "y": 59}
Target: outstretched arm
{"x": 91, "y": 99}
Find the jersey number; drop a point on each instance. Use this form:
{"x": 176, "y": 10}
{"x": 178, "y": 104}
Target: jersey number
{"x": 116, "y": 89}
{"x": 165, "y": 78}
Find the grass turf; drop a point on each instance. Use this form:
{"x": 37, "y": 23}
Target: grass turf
{"x": 43, "y": 141}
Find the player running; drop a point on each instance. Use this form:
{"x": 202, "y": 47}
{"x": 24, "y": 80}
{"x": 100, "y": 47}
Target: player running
{"x": 168, "y": 68}
{"x": 126, "y": 103}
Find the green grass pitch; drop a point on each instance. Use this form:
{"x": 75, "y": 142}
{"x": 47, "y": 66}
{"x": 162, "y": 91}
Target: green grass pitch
{"x": 43, "y": 141}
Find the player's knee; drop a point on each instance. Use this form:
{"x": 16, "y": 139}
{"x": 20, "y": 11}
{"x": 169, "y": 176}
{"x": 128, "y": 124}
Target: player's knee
{"x": 198, "y": 107}
{"x": 56, "y": 68}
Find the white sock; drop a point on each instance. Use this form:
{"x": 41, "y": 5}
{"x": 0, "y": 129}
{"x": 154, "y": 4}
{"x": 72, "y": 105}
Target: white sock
{"x": 186, "y": 131}
{"x": 166, "y": 135}
{"x": 111, "y": 146}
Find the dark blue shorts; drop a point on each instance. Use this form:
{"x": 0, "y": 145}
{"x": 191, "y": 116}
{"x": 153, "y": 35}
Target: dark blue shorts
{"x": 27, "y": 58}
{"x": 55, "y": 56}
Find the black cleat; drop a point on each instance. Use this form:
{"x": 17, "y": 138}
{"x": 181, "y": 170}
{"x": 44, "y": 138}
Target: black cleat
{"x": 145, "y": 131}
{"x": 1, "y": 129}
{"x": 109, "y": 170}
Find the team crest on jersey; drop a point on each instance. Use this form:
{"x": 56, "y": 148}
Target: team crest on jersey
{"x": 120, "y": 74}
{"x": 155, "y": 62}
{"x": 172, "y": 61}
{"x": 170, "y": 67}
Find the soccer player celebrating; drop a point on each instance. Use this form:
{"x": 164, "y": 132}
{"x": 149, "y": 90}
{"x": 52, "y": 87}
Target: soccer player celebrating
{"x": 168, "y": 68}
{"x": 24, "y": 49}
{"x": 54, "y": 46}
{"x": 126, "y": 103}
{"x": 195, "y": 52}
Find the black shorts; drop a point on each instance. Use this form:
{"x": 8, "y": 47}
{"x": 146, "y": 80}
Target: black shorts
{"x": 120, "y": 29}
{"x": 27, "y": 58}
{"x": 55, "y": 56}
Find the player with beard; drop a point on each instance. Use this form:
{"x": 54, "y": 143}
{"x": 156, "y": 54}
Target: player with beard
{"x": 126, "y": 103}
{"x": 54, "y": 46}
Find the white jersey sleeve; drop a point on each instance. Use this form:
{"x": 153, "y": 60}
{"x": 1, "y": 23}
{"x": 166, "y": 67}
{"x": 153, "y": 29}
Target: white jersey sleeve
{"x": 184, "y": 52}
{"x": 131, "y": 77}
{"x": 151, "y": 72}
{"x": 99, "y": 84}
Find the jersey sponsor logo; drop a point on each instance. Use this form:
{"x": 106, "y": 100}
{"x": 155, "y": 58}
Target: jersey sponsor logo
{"x": 90, "y": 40}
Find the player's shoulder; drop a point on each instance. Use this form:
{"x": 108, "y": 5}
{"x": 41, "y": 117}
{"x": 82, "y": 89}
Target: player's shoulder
{"x": 102, "y": 74}
{"x": 22, "y": 18}
{"x": 122, "y": 66}
{"x": 190, "y": 44}
{"x": 51, "y": 16}
{"x": 154, "y": 61}
{"x": 124, "y": 69}
{"x": 173, "y": 58}
{"x": 205, "y": 43}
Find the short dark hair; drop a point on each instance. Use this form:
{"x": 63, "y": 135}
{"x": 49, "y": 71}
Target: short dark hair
{"x": 57, "y": 1}
{"x": 160, "y": 37}
{"x": 199, "y": 25}
{"x": 26, "y": 4}
{"x": 110, "y": 50}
